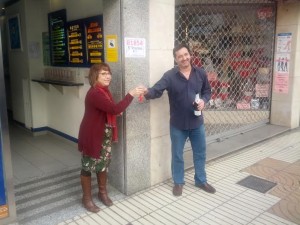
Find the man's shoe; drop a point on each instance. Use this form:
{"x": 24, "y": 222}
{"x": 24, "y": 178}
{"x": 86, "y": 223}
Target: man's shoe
{"x": 206, "y": 187}
{"x": 177, "y": 190}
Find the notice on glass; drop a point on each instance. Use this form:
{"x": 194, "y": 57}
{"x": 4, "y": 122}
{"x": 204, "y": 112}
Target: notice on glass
{"x": 135, "y": 47}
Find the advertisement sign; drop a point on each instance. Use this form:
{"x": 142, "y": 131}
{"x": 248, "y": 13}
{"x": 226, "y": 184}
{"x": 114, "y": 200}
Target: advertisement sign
{"x": 58, "y": 38}
{"x": 111, "y": 48}
{"x": 135, "y": 47}
{"x": 76, "y": 43}
{"x": 282, "y": 63}
{"x": 94, "y": 36}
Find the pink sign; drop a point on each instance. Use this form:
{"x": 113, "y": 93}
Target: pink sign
{"x": 281, "y": 84}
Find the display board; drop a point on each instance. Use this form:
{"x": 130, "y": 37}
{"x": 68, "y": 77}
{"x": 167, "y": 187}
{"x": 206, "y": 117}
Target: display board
{"x": 85, "y": 41}
{"x": 58, "y": 38}
{"x": 94, "y": 34}
{"x": 76, "y": 43}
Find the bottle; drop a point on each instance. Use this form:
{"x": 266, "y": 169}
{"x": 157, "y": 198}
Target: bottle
{"x": 197, "y": 100}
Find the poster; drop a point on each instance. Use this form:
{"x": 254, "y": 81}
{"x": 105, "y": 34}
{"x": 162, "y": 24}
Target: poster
{"x": 135, "y": 47}
{"x": 282, "y": 63}
{"x": 284, "y": 42}
{"x": 111, "y": 48}
{"x": 14, "y": 32}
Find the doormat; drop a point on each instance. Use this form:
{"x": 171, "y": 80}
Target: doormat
{"x": 257, "y": 184}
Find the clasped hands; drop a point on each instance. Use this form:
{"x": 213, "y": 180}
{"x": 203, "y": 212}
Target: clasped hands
{"x": 138, "y": 91}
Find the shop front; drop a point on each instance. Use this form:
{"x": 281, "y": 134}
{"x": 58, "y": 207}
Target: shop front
{"x": 234, "y": 42}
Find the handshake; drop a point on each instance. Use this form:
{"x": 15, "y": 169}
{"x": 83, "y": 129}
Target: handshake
{"x": 138, "y": 91}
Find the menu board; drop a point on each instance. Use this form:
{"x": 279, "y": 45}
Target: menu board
{"x": 58, "y": 38}
{"x": 76, "y": 42}
{"x": 94, "y": 36}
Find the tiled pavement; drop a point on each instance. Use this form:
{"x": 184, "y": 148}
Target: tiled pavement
{"x": 276, "y": 160}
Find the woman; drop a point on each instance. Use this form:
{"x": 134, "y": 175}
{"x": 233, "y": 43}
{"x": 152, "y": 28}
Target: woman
{"x": 97, "y": 131}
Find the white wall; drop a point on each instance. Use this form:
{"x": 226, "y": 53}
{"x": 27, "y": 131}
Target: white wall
{"x": 162, "y": 14}
{"x": 285, "y": 109}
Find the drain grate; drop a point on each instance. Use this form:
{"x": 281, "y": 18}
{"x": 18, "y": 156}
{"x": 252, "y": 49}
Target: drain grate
{"x": 257, "y": 184}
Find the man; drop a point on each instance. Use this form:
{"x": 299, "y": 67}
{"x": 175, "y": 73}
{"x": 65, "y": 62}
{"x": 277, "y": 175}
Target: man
{"x": 183, "y": 82}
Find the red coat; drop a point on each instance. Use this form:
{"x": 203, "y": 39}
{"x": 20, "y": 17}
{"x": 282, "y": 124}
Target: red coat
{"x": 92, "y": 126}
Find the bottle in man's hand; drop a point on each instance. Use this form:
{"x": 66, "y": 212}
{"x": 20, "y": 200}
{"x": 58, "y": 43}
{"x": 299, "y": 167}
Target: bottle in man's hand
{"x": 197, "y": 100}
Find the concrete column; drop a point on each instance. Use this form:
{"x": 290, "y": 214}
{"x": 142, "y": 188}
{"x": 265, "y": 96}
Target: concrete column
{"x": 142, "y": 156}
{"x": 135, "y": 24}
{"x": 285, "y": 110}
{"x": 130, "y": 168}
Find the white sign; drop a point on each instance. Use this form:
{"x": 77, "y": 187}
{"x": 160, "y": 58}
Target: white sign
{"x": 135, "y": 47}
{"x": 284, "y": 42}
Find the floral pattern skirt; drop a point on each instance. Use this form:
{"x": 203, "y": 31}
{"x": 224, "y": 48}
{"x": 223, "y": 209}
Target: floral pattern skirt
{"x": 90, "y": 164}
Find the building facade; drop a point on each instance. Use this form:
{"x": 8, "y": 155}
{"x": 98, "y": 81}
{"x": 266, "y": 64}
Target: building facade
{"x": 249, "y": 49}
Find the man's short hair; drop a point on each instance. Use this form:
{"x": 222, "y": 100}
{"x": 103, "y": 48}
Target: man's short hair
{"x": 180, "y": 46}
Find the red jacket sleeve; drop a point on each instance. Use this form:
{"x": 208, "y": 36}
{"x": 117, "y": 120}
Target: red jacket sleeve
{"x": 99, "y": 101}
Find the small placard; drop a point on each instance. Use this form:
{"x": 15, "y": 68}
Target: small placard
{"x": 262, "y": 90}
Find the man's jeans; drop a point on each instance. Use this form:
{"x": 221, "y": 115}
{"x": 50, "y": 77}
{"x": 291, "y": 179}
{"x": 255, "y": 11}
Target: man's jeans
{"x": 198, "y": 142}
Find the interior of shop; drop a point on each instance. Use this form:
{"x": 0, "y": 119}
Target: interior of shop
{"x": 35, "y": 150}
{"x": 42, "y": 160}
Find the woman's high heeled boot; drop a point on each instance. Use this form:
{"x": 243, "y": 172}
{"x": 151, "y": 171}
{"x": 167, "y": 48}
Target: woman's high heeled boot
{"x": 87, "y": 201}
{"x": 102, "y": 194}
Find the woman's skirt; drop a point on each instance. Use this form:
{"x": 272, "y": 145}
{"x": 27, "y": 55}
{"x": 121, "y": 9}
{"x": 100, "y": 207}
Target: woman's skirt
{"x": 90, "y": 164}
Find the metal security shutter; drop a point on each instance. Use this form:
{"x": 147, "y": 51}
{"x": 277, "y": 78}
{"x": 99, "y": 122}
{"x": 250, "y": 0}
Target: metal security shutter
{"x": 234, "y": 42}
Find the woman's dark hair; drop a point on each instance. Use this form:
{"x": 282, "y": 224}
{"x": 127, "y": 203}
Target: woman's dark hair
{"x": 94, "y": 72}
{"x": 180, "y": 46}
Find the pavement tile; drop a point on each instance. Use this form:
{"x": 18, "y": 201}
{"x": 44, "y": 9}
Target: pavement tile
{"x": 141, "y": 206}
{"x": 268, "y": 217}
{"x": 288, "y": 208}
{"x": 146, "y": 202}
{"x": 91, "y": 221}
{"x": 293, "y": 169}
{"x": 276, "y": 160}
{"x": 273, "y": 163}
{"x": 132, "y": 207}
{"x": 118, "y": 213}
{"x": 178, "y": 214}
{"x": 169, "y": 217}
{"x": 260, "y": 170}
{"x": 285, "y": 178}
{"x": 161, "y": 219}
{"x": 82, "y": 222}
{"x": 186, "y": 208}
{"x": 226, "y": 219}
{"x": 145, "y": 221}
